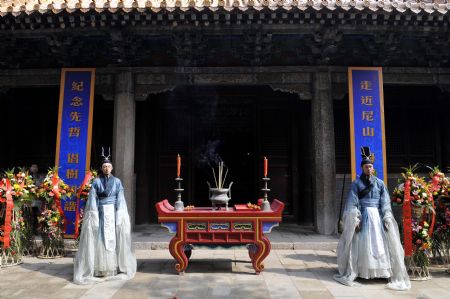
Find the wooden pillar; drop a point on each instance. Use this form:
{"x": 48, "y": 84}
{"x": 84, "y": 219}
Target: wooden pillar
{"x": 124, "y": 137}
{"x": 324, "y": 165}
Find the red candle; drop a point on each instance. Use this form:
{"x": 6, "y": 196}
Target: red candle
{"x": 266, "y": 165}
{"x": 178, "y": 165}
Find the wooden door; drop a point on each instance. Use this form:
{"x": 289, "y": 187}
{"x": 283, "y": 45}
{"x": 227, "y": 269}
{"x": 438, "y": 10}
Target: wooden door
{"x": 240, "y": 125}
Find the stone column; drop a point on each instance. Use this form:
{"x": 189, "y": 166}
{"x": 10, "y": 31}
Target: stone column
{"x": 324, "y": 165}
{"x": 124, "y": 136}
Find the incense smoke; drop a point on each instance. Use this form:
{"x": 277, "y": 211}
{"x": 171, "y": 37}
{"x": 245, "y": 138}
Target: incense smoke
{"x": 208, "y": 154}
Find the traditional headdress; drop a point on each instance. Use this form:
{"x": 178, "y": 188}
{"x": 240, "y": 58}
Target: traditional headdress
{"x": 367, "y": 156}
{"x": 105, "y": 159}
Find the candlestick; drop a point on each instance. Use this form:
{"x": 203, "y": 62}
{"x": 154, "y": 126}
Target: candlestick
{"x": 266, "y": 165}
{"x": 179, "y": 205}
{"x": 265, "y": 190}
{"x": 178, "y": 165}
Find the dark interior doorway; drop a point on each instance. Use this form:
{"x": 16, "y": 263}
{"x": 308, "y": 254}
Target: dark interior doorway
{"x": 29, "y": 119}
{"x": 29, "y": 122}
{"x": 240, "y": 125}
{"x": 417, "y": 128}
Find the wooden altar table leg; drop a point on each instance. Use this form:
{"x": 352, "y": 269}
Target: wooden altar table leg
{"x": 262, "y": 251}
{"x": 176, "y": 248}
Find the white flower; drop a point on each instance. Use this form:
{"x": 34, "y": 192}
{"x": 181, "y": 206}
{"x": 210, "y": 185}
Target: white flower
{"x": 401, "y": 187}
{"x": 424, "y": 195}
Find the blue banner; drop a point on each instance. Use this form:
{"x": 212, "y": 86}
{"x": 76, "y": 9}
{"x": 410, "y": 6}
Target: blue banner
{"x": 73, "y": 144}
{"x": 366, "y": 107}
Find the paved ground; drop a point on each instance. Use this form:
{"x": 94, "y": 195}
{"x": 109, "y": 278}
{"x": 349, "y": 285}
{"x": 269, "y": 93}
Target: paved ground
{"x": 290, "y": 273}
{"x": 211, "y": 274}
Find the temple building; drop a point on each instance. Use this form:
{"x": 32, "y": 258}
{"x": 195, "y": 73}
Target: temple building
{"x": 243, "y": 79}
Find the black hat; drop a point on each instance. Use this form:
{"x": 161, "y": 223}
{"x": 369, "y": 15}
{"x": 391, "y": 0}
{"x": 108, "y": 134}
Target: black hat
{"x": 106, "y": 159}
{"x": 366, "y": 155}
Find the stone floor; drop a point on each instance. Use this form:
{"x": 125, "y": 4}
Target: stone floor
{"x": 211, "y": 274}
{"x": 300, "y": 266}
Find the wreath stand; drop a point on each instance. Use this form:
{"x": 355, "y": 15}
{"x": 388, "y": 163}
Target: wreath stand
{"x": 416, "y": 260}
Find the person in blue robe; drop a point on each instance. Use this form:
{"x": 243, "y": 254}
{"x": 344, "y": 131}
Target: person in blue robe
{"x": 104, "y": 251}
{"x": 370, "y": 245}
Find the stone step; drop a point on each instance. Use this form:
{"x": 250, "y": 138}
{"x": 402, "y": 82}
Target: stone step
{"x": 285, "y": 237}
{"x": 325, "y": 245}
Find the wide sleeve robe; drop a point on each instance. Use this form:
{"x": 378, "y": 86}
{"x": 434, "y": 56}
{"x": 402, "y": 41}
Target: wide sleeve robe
{"x": 91, "y": 241}
{"x": 348, "y": 249}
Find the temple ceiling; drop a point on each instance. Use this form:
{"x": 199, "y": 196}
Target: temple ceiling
{"x": 219, "y": 39}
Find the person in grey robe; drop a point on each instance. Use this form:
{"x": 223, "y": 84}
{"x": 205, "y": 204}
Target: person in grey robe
{"x": 370, "y": 245}
{"x": 104, "y": 251}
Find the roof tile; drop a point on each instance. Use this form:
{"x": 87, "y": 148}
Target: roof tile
{"x": 16, "y": 7}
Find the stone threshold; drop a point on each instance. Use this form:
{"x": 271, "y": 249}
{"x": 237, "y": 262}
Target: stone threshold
{"x": 325, "y": 245}
{"x": 288, "y": 236}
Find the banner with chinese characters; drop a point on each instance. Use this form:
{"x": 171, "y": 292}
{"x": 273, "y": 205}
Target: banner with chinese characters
{"x": 73, "y": 144}
{"x": 366, "y": 107}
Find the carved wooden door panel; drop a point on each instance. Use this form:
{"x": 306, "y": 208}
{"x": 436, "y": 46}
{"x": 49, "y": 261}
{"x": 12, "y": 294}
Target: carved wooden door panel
{"x": 238, "y": 125}
{"x": 275, "y": 126}
{"x": 223, "y": 130}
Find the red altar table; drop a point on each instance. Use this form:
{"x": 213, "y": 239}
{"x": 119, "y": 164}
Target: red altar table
{"x": 239, "y": 225}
